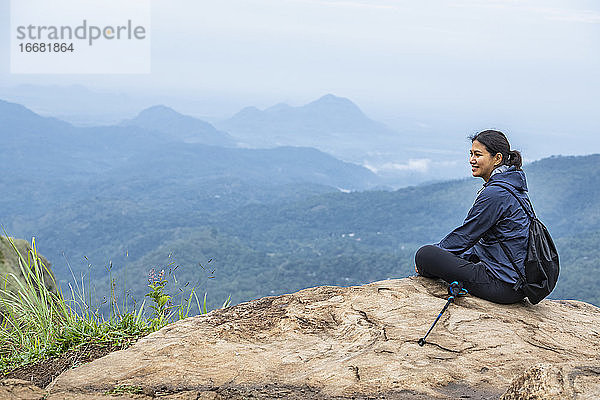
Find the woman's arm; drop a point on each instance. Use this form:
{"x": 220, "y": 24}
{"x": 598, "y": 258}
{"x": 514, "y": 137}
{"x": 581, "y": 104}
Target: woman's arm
{"x": 488, "y": 208}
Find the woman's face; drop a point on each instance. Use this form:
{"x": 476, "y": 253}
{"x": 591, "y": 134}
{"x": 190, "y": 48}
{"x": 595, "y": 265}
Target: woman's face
{"x": 482, "y": 162}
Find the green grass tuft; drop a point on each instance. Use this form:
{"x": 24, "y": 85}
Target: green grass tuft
{"x": 36, "y": 323}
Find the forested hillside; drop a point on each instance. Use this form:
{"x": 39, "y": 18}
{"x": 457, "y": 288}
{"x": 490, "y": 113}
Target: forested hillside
{"x": 314, "y": 239}
{"x": 120, "y": 200}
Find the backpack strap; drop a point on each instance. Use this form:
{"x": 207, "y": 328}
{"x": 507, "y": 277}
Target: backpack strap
{"x": 531, "y": 214}
{"x": 521, "y": 281}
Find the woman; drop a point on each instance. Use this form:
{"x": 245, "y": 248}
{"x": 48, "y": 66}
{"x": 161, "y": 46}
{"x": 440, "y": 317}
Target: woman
{"x": 471, "y": 253}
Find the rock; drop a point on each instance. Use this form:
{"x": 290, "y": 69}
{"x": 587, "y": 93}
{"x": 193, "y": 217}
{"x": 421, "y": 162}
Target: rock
{"x": 354, "y": 342}
{"x": 553, "y": 382}
{"x": 16, "y": 389}
{"x": 9, "y": 264}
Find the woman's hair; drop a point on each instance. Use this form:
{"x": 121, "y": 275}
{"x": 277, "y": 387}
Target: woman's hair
{"x": 496, "y": 142}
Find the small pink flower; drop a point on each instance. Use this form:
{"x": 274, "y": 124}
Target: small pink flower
{"x": 151, "y": 276}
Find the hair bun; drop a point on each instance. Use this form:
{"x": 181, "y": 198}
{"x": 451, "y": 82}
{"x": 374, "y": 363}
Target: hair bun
{"x": 515, "y": 158}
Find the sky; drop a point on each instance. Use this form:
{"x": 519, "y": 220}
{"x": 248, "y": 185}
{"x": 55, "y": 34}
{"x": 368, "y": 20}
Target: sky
{"x": 525, "y": 65}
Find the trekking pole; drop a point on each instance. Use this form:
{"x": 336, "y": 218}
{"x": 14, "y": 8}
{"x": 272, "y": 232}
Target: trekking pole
{"x": 454, "y": 290}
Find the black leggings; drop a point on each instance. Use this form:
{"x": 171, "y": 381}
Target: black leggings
{"x": 434, "y": 262}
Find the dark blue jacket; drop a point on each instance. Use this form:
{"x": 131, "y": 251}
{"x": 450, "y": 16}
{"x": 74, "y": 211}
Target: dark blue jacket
{"x": 495, "y": 210}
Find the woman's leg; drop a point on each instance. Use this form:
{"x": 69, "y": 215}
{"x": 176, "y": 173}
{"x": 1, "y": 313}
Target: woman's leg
{"x": 434, "y": 262}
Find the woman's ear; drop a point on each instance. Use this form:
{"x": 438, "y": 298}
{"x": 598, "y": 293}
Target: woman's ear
{"x": 497, "y": 159}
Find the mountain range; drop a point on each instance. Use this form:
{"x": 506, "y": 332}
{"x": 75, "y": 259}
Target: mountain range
{"x": 331, "y": 124}
{"x": 329, "y": 121}
{"x": 339, "y": 127}
{"x": 180, "y": 127}
{"x": 139, "y": 195}
{"x": 42, "y": 152}
{"x": 257, "y": 248}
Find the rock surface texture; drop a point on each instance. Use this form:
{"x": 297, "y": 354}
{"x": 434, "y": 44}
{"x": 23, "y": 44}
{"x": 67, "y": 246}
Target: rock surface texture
{"x": 9, "y": 264}
{"x": 551, "y": 382}
{"x": 358, "y": 342}
{"x": 21, "y": 390}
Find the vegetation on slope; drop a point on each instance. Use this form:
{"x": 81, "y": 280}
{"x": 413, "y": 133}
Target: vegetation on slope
{"x": 38, "y": 322}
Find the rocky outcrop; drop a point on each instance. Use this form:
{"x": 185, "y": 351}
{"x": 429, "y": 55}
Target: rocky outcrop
{"x": 9, "y": 264}
{"x": 356, "y": 342}
{"x": 556, "y": 382}
{"x": 17, "y": 389}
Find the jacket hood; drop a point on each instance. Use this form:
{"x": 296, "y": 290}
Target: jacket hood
{"x": 511, "y": 176}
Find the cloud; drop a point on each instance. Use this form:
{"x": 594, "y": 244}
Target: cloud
{"x": 416, "y": 165}
{"x": 563, "y": 14}
{"x": 578, "y": 16}
{"x": 353, "y": 4}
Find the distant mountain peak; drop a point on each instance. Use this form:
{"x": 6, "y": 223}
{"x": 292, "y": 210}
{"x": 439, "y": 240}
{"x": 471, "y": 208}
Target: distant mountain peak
{"x": 159, "y": 110}
{"x": 332, "y": 102}
{"x": 279, "y": 107}
{"x": 330, "y": 123}
{"x": 14, "y": 106}
{"x": 247, "y": 111}
{"x": 158, "y": 107}
{"x": 179, "y": 126}
{"x": 14, "y": 113}
{"x": 331, "y": 97}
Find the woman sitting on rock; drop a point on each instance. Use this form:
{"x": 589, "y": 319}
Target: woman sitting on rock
{"x": 471, "y": 253}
